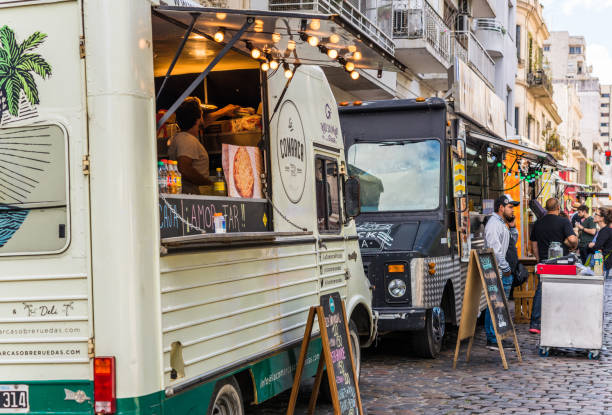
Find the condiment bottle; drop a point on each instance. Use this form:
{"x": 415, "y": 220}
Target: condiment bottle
{"x": 219, "y": 188}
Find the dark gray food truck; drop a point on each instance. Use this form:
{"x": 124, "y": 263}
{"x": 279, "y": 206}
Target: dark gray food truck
{"x": 428, "y": 178}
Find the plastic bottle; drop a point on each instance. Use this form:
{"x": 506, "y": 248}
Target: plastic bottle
{"x": 598, "y": 263}
{"x": 179, "y": 178}
{"x": 219, "y": 188}
{"x": 555, "y": 250}
{"x": 172, "y": 181}
{"x": 219, "y": 221}
{"x": 162, "y": 177}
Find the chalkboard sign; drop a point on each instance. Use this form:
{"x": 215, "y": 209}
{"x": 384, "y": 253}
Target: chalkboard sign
{"x": 337, "y": 335}
{"x": 495, "y": 292}
{"x": 241, "y": 215}
{"x": 483, "y": 276}
{"x": 336, "y": 356}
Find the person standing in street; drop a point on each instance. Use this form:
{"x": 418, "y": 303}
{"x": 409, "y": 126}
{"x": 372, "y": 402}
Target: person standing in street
{"x": 549, "y": 228}
{"x": 497, "y": 238}
{"x": 586, "y": 231}
{"x": 603, "y": 242}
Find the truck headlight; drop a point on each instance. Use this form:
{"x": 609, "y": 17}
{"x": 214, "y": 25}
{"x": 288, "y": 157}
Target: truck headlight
{"x": 397, "y": 288}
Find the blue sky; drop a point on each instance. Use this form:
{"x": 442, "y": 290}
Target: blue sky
{"x": 591, "y": 19}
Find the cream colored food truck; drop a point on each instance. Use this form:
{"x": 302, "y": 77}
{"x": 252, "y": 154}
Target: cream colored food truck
{"x": 116, "y": 298}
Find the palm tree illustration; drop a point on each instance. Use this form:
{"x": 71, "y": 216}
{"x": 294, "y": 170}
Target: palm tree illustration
{"x": 18, "y": 64}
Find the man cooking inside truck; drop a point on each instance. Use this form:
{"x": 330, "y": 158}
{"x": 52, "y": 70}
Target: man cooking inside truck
{"x": 193, "y": 163}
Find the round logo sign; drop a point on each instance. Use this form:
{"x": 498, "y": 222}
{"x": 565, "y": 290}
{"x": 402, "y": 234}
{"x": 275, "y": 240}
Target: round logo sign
{"x": 291, "y": 151}
{"x": 332, "y": 305}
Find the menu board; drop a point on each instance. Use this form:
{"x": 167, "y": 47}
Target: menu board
{"x": 185, "y": 215}
{"x": 338, "y": 338}
{"x": 494, "y": 290}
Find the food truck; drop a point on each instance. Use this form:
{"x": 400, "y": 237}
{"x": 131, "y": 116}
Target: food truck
{"x": 428, "y": 177}
{"x": 118, "y": 298}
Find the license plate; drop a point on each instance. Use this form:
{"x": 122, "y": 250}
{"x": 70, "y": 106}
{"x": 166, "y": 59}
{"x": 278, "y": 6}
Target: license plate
{"x": 14, "y": 399}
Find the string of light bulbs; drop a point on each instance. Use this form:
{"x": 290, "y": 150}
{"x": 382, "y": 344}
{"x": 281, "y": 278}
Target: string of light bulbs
{"x": 329, "y": 46}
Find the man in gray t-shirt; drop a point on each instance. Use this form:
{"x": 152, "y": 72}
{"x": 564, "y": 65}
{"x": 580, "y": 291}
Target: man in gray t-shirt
{"x": 186, "y": 149}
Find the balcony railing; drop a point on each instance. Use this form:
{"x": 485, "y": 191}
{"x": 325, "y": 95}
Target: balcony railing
{"x": 416, "y": 19}
{"x": 343, "y": 8}
{"x": 489, "y": 24}
{"x": 577, "y": 145}
{"x": 539, "y": 79}
{"x": 469, "y": 49}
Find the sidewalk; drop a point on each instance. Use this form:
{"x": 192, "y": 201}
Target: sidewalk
{"x": 393, "y": 382}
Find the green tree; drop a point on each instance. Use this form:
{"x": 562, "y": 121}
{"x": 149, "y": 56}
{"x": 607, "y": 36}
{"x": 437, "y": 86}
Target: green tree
{"x": 17, "y": 66}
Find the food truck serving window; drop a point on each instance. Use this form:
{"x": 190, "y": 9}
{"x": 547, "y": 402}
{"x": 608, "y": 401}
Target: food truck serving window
{"x": 408, "y": 180}
{"x": 33, "y": 196}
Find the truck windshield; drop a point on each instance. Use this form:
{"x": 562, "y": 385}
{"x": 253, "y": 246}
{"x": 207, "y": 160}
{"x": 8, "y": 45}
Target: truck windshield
{"x": 397, "y": 175}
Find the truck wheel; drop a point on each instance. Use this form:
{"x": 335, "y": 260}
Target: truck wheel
{"x": 428, "y": 342}
{"x": 324, "y": 391}
{"x": 226, "y": 398}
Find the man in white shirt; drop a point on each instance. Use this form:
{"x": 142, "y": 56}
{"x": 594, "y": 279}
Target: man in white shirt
{"x": 186, "y": 149}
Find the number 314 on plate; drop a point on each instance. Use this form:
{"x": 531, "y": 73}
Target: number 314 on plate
{"x": 14, "y": 399}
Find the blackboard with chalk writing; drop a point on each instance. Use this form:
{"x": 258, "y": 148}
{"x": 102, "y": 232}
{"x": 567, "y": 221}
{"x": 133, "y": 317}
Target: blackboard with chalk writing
{"x": 335, "y": 323}
{"x": 494, "y": 290}
{"x": 241, "y": 215}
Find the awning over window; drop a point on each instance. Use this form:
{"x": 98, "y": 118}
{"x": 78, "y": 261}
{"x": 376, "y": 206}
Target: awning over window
{"x": 283, "y": 36}
{"x": 536, "y": 156}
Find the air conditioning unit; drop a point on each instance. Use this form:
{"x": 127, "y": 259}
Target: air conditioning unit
{"x": 463, "y": 23}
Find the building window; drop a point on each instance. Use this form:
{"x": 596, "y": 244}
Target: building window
{"x": 605, "y": 95}
{"x": 604, "y": 124}
{"x": 575, "y": 50}
{"x": 605, "y": 105}
{"x": 605, "y": 134}
{"x": 516, "y": 120}
{"x": 518, "y": 41}
{"x": 605, "y": 114}
{"x": 546, "y": 48}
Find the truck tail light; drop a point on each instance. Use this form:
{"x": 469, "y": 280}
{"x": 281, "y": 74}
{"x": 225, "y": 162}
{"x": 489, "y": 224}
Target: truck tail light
{"x": 104, "y": 385}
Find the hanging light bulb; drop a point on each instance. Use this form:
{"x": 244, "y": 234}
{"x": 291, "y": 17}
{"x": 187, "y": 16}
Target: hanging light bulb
{"x": 315, "y": 24}
{"x": 288, "y": 72}
{"x": 352, "y": 48}
{"x": 219, "y": 36}
{"x": 291, "y": 45}
{"x": 255, "y": 53}
{"x": 221, "y": 16}
{"x": 273, "y": 65}
{"x": 357, "y": 55}
{"x": 258, "y": 27}
{"x": 264, "y": 66}
{"x": 355, "y": 75}
{"x": 313, "y": 41}
{"x": 276, "y": 37}
{"x": 332, "y": 53}
{"x": 334, "y": 38}
{"x": 350, "y": 66}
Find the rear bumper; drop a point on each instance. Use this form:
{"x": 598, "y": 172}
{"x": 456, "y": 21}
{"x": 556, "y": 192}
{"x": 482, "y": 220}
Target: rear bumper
{"x": 400, "y": 318}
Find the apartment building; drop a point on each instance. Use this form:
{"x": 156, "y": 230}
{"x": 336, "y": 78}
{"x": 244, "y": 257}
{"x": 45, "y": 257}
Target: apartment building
{"x": 566, "y": 58}
{"x": 602, "y": 148}
{"x": 536, "y": 113}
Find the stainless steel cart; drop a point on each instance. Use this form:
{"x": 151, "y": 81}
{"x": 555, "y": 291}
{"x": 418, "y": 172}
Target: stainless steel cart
{"x": 572, "y": 313}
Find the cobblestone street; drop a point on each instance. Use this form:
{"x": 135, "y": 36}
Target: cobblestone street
{"x": 393, "y": 382}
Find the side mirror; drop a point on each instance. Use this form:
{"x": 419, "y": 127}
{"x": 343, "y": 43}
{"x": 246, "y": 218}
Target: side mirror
{"x": 352, "y": 199}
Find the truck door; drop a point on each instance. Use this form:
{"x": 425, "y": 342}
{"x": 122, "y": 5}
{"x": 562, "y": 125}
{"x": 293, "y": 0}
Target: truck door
{"x": 45, "y": 314}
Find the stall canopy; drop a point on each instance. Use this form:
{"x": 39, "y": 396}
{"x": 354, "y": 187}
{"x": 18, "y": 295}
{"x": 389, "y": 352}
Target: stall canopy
{"x": 199, "y": 38}
{"x": 535, "y": 156}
